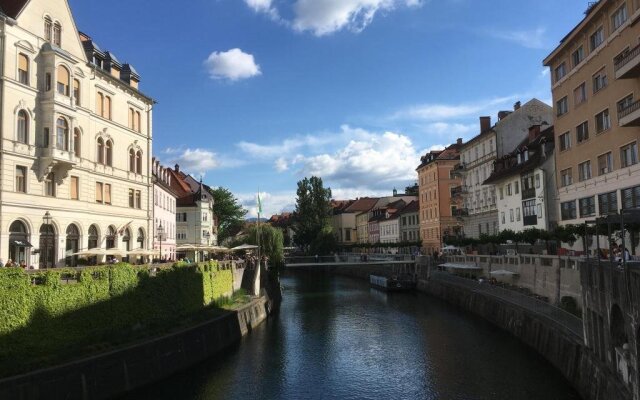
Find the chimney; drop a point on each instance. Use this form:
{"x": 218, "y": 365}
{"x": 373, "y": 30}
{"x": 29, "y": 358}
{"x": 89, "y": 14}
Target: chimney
{"x": 177, "y": 168}
{"x": 534, "y": 132}
{"x": 485, "y": 123}
{"x": 503, "y": 114}
{"x": 516, "y": 106}
{"x": 459, "y": 141}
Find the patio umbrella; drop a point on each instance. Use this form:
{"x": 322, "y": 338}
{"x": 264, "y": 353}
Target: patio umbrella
{"x": 245, "y": 247}
{"x": 86, "y": 252}
{"x": 187, "y": 247}
{"x": 143, "y": 252}
{"x": 503, "y": 272}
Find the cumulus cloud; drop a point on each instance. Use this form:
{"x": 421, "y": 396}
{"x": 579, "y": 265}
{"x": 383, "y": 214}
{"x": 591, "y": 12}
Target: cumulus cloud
{"x": 281, "y": 165}
{"x": 438, "y": 112}
{"x": 272, "y": 203}
{"x": 324, "y": 17}
{"x": 233, "y": 65}
{"x": 195, "y": 161}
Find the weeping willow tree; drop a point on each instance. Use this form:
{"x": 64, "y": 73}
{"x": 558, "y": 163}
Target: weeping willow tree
{"x": 271, "y": 242}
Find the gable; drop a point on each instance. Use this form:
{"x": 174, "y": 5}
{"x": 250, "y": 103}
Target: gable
{"x": 31, "y": 18}
{"x": 12, "y": 7}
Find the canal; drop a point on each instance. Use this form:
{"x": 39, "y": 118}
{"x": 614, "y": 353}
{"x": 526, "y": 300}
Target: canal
{"x": 335, "y": 338}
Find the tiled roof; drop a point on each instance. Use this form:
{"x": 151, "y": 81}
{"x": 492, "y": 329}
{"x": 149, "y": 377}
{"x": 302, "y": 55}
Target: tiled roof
{"x": 12, "y": 7}
{"x": 362, "y": 205}
{"x": 412, "y": 207}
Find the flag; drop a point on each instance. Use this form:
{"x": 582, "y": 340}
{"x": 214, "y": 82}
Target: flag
{"x": 259, "y": 204}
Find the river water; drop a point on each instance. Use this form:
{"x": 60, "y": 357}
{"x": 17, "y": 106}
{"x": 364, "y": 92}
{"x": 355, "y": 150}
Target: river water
{"x": 335, "y": 338}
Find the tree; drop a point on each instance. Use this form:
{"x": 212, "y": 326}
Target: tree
{"x": 271, "y": 242}
{"x": 313, "y": 211}
{"x": 228, "y": 210}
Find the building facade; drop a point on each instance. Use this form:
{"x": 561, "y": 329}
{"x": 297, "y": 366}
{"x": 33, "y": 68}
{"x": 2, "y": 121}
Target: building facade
{"x": 355, "y": 219}
{"x": 75, "y": 141}
{"x": 524, "y": 181}
{"x": 164, "y": 213}
{"x": 342, "y": 222}
{"x": 478, "y": 156}
{"x": 595, "y": 78}
{"x": 438, "y": 200}
{"x": 410, "y": 222}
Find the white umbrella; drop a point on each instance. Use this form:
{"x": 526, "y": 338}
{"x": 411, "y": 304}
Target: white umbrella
{"x": 88, "y": 252}
{"x": 245, "y": 247}
{"x": 187, "y": 247}
{"x": 503, "y": 272}
{"x": 143, "y": 252}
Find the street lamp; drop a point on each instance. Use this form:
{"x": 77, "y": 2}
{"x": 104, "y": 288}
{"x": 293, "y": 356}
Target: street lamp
{"x": 160, "y": 234}
{"x": 46, "y": 220}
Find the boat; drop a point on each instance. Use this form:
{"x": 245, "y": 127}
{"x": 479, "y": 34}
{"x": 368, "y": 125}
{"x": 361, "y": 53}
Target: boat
{"x": 394, "y": 283}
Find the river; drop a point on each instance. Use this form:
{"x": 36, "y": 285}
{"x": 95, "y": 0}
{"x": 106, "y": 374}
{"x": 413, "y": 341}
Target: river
{"x": 335, "y": 338}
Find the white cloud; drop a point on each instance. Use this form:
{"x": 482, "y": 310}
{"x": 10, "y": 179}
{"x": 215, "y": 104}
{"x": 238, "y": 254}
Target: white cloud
{"x": 450, "y": 129}
{"x": 532, "y": 39}
{"x": 195, "y": 161}
{"x": 233, "y": 65}
{"x": 272, "y": 203}
{"x": 281, "y": 165}
{"x": 324, "y": 17}
{"x": 439, "y": 112}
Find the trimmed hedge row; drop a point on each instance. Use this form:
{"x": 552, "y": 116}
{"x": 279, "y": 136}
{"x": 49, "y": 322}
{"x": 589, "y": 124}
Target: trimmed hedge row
{"x": 59, "y": 314}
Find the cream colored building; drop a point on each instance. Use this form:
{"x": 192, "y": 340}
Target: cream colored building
{"x": 76, "y": 140}
{"x": 595, "y": 75}
{"x": 164, "y": 212}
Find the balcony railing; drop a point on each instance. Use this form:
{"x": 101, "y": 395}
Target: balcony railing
{"x": 461, "y": 212}
{"x": 529, "y": 193}
{"x": 627, "y": 65}
{"x": 457, "y": 191}
{"x": 630, "y": 115}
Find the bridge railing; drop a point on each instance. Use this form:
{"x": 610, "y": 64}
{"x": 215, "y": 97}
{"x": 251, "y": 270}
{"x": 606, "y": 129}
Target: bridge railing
{"x": 349, "y": 258}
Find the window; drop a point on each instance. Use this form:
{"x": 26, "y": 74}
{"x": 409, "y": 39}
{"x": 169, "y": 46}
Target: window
{"x": 100, "y": 104}
{"x": 107, "y": 107}
{"x": 629, "y": 155}
{"x": 539, "y": 215}
{"x": 23, "y": 127}
{"x": 50, "y": 185}
{"x": 76, "y": 91}
{"x": 584, "y": 171}
{"x": 582, "y": 131}
{"x": 511, "y": 215}
{"x": 529, "y": 208}
{"x": 45, "y": 137}
{"x": 74, "y": 186}
{"x": 63, "y": 80}
{"x": 57, "y": 34}
{"x": 132, "y": 161}
{"x": 560, "y": 71}
{"x": 600, "y": 80}
{"x": 47, "y": 82}
{"x": 62, "y": 134}
{"x": 587, "y": 206}
{"x": 608, "y": 203}
{"x": 77, "y": 147}
{"x": 509, "y": 189}
{"x": 619, "y": 17}
{"x": 580, "y": 94}
{"x": 21, "y": 179}
{"x": 23, "y": 69}
{"x": 565, "y": 141}
{"x": 131, "y": 198}
{"x": 562, "y": 106}
{"x": 518, "y": 214}
{"x": 517, "y": 187}
{"x": 48, "y": 25}
{"x": 625, "y": 103}
{"x": 577, "y": 56}
{"x": 502, "y": 217}
{"x": 603, "y": 122}
{"x": 605, "y": 163}
{"x": 99, "y": 192}
{"x": 566, "y": 177}
{"x": 139, "y": 162}
{"x": 568, "y": 210}
{"x": 630, "y": 197}
{"x": 596, "y": 39}
{"x": 137, "y": 121}
{"x": 501, "y": 193}
{"x": 100, "y": 151}
{"x": 107, "y": 193}
{"x": 138, "y": 199}
{"x": 108, "y": 153}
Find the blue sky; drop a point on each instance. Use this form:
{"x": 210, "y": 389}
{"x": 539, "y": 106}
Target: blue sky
{"x": 256, "y": 94}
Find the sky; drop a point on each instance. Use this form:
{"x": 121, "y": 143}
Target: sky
{"x": 254, "y": 95}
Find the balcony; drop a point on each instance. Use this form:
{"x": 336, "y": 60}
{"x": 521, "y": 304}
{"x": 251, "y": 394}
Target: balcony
{"x": 630, "y": 115}
{"x": 461, "y": 212}
{"x": 530, "y": 220}
{"x": 458, "y": 170}
{"x": 60, "y": 162}
{"x": 529, "y": 193}
{"x": 457, "y": 191}
{"x": 627, "y": 65}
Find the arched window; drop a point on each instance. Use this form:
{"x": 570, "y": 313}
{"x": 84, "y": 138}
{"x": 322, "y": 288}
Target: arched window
{"x": 62, "y": 134}
{"x": 76, "y": 91}
{"x": 76, "y": 142}
{"x": 139, "y": 162}
{"x": 23, "y": 69}
{"x": 140, "y": 238}
{"x": 63, "y": 80}
{"x": 73, "y": 245}
{"x": 111, "y": 237}
{"x": 100, "y": 151}
{"x": 100, "y": 104}
{"x": 23, "y": 127}
{"x": 57, "y": 34}
{"x": 47, "y": 28}
{"x": 109, "y": 153}
{"x": 47, "y": 246}
{"x": 107, "y": 107}
{"x": 132, "y": 161}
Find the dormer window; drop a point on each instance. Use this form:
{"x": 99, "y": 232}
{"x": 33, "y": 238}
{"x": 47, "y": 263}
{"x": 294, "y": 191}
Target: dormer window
{"x": 57, "y": 34}
{"x": 48, "y": 24}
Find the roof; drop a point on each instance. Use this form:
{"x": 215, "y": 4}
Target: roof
{"x": 362, "y": 205}
{"x": 339, "y": 206}
{"x": 12, "y": 7}
{"x": 507, "y": 166}
{"x": 452, "y": 152}
{"x": 413, "y": 206}
{"x": 188, "y": 190}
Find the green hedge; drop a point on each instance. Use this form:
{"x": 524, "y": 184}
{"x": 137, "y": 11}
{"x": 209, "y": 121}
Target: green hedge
{"x": 59, "y": 314}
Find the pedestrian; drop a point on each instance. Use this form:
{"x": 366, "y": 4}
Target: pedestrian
{"x": 9, "y": 263}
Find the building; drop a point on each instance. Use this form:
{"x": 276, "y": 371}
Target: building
{"x": 410, "y": 222}
{"x": 195, "y": 220}
{"x": 284, "y": 222}
{"x": 438, "y": 200}
{"x": 342, "y": 222}
{"x": 353, "y": 220}
{"x": 76, "y": 141}
{"x": 379, "y": 210}
{"x": 595, "y": 73}
{"x": 164, "y": 212}
{"x": 478, "y": 156}
{"x": 525, "y": 183}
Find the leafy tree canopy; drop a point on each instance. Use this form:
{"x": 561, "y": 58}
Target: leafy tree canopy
{"x": 228, "y": 210}
{"x": 313, "y": 212}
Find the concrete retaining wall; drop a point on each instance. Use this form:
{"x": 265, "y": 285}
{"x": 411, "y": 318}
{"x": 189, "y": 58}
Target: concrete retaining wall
{"x": 112, "y": 374}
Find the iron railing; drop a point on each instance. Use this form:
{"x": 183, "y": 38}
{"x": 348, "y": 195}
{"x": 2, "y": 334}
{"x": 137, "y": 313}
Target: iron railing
{"x": 625, "y": 58}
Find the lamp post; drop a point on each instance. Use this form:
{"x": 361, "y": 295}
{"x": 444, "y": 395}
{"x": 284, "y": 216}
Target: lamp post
{"x": 46, "y": 220}
{"x": 160, "y": 234}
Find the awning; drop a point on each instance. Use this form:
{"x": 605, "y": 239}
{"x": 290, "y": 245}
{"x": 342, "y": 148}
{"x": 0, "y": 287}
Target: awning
{"x": 245, "y": 247}
{"x": 21, "y": 243}
{"x": 460, "y": 266}
{"x": 503, "y": 272}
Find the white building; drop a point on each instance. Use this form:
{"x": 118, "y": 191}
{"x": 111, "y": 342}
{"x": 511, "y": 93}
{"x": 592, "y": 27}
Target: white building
{"x": 525, "y": 184}
{"x": 164, "y": 212}
{"x": 76, "y": 140}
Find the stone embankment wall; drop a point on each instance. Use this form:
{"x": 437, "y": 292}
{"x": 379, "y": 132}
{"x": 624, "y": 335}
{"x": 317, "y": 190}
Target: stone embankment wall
{"x": 112, "y": 374}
